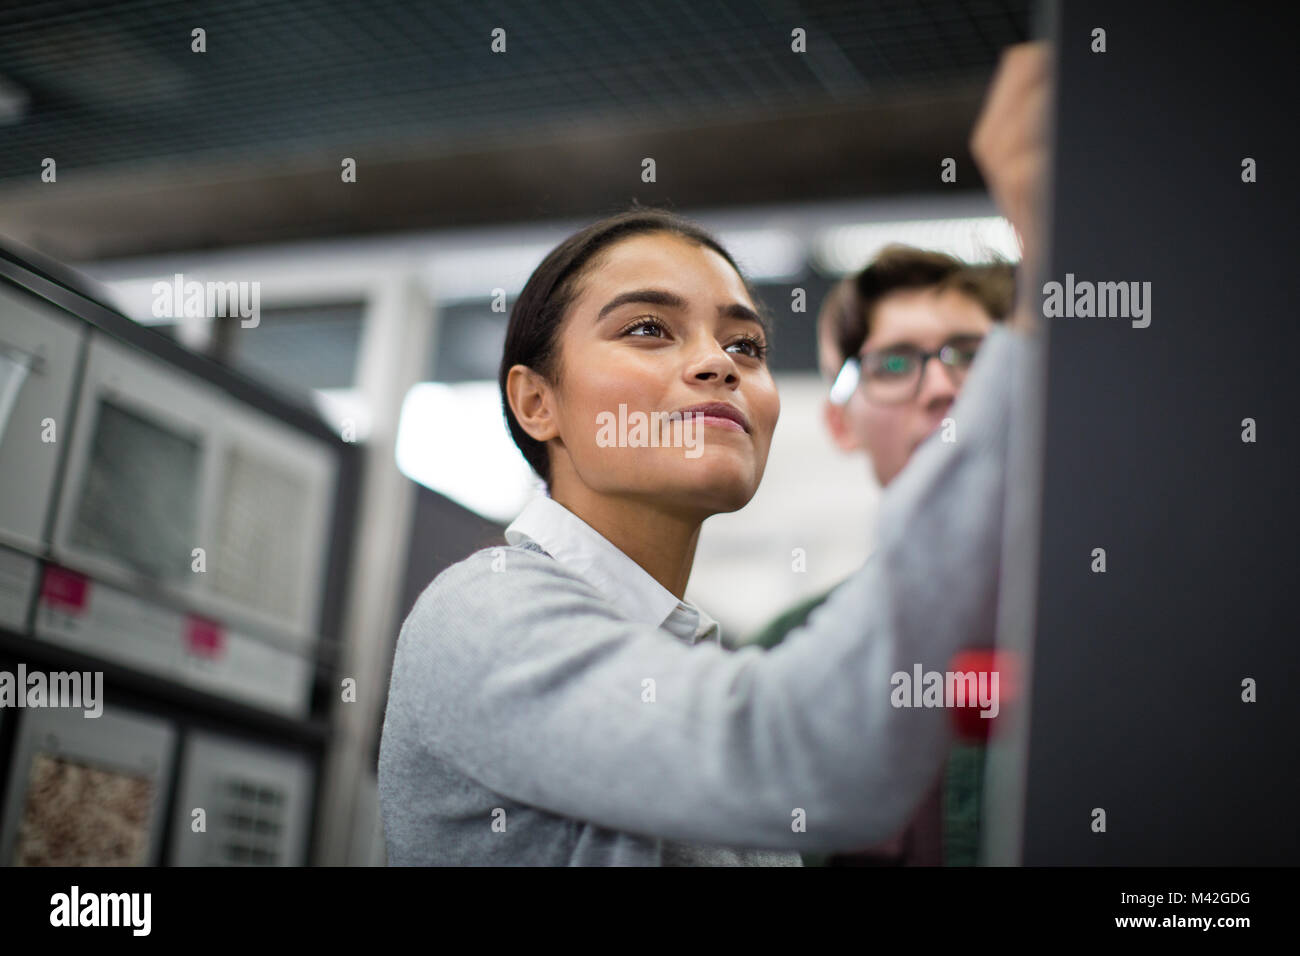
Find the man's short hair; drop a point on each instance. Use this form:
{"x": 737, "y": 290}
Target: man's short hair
{"x": 846, "y": 316}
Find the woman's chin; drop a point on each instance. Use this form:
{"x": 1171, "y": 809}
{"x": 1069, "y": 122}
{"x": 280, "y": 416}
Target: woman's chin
{"x": 719, "y": 486}
{"x": 711, "y": 483}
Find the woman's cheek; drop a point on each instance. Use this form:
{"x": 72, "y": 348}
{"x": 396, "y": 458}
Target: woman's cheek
{"x": 607, "y": 437}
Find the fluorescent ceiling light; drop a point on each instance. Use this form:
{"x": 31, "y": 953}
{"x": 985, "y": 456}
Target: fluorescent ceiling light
{"x": 844, "y": 249}
{"x": 766, "y": 255}
{"x": 473, "y": 273}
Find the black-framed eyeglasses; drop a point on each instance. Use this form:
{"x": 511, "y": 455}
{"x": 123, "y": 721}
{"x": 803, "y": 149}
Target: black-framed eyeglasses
{"x": 892, "y": 376}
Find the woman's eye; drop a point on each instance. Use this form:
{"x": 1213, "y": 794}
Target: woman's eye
{"x": 645, "y": 323}
{"x": 756, "y": 348}
{"x": 652, "y": 327}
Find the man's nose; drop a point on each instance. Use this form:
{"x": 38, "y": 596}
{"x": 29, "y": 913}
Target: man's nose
{"x": 936, "y": 383}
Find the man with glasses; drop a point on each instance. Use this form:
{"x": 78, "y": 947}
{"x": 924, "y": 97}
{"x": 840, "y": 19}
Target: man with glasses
{"x": 896, "y": 340}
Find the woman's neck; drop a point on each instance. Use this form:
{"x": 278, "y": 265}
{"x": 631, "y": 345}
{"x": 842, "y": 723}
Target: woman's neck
{"x": 660, "y": 540}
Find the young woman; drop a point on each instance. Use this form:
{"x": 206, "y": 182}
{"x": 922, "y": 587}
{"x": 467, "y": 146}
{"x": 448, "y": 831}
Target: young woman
{"x": 557, "y": 701}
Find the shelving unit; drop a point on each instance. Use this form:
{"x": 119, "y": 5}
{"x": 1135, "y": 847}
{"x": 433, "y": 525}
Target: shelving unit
{"x": 217, "y": 678}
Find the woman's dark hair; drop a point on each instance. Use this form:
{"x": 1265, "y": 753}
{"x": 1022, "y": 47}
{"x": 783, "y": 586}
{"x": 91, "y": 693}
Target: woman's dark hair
{"x": 532, "y": 335}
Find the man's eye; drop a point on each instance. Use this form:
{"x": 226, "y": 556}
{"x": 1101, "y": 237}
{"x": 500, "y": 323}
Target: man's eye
{"x": 961, "y": 351}
{"x": 898, "y": 364}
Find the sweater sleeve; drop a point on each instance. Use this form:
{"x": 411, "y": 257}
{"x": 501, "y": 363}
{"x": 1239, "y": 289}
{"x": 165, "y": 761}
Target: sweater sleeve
{"x": 519, "y": 674}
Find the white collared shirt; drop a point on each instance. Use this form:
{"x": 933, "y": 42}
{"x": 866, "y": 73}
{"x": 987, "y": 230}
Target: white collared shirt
{"x": 627, "y": 585}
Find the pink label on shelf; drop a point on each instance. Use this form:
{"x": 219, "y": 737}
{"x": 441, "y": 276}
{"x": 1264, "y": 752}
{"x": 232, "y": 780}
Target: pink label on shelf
{"x": 204, "y": 638}
{"x": 64, "y": 589}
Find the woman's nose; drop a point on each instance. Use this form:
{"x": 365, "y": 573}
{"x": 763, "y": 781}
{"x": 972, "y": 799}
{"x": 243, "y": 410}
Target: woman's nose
{"x": 713, "y": 362}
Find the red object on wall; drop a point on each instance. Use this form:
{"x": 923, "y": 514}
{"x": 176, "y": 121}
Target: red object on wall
{"x": 65, "y": 590}
{"x": 203, "y": 637}
{"x": 968, "y": 720}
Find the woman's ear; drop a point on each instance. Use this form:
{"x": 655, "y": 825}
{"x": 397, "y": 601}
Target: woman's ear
{"x": 531, "y": 400}
{"x": 837, "y": 424}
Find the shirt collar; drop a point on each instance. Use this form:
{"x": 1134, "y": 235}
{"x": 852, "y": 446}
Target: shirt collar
{"x": 627, "y": 585}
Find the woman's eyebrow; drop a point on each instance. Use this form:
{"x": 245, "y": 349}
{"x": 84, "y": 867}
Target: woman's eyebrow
{"x": 737, "y": 310}
{"x": 671, "y": 300}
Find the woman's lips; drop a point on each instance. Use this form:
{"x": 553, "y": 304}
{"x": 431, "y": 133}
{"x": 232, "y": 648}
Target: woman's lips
{"x": 719, "y": 422}
{"x": 716, "y": 413}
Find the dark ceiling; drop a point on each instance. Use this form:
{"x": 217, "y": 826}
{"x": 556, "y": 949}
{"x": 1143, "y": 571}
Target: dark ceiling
{"x": 159, "y": 148}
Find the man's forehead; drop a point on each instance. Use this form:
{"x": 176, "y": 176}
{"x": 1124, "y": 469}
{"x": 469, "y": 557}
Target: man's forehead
{"x": 924, "y": 315}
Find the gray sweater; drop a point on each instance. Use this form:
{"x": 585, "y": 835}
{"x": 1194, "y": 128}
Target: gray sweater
{"x": 529, "y": 722}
